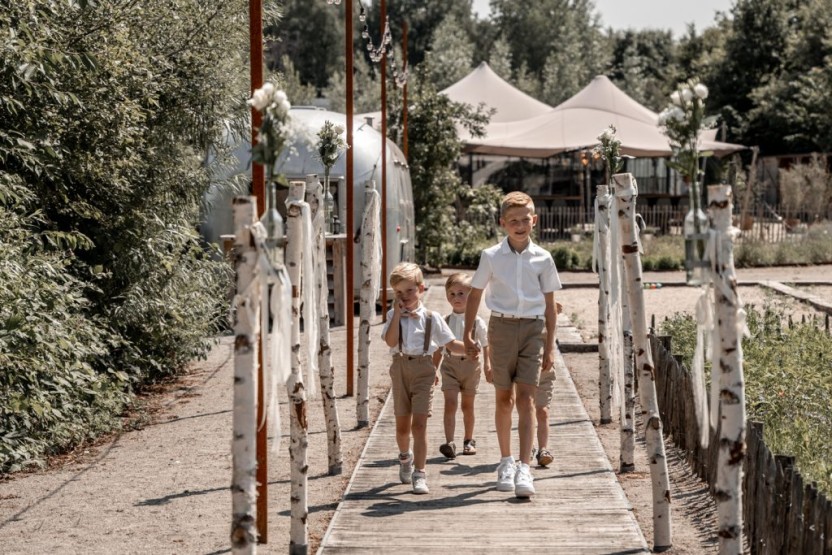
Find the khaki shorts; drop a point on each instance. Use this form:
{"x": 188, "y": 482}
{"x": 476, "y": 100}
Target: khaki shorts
{"x": 460, "y": 374}
{"x": 516, "y": 348}
{"x": 545, "y": 389}
{"x": 413, "y": 378}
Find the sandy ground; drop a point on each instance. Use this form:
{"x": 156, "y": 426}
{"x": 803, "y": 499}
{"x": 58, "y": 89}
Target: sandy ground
{"x": 163, "y": 486}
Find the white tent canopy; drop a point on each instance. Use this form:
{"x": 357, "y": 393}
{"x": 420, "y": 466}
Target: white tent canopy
{"x": 576, "y": 123}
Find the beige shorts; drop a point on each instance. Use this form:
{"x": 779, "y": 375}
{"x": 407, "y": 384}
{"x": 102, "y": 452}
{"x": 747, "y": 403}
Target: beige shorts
{"x": 516, "y": 348}
{"x": 460, "y": 374}
{"x": 413, "y": 378}
{"x": 545, "y": 389}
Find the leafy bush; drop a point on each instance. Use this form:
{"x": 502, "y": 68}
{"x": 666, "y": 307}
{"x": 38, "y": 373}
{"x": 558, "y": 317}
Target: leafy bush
{"x": 565, "y": 258}
{"x": 788, "y": 380}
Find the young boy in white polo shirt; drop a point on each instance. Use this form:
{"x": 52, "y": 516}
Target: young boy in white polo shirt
{"x": 413, "y": 334}
{"x": 521, "y": 279}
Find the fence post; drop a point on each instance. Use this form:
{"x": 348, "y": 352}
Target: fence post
{"x": 728, "y": 371}
{"x": 602, "y": 224}
{"x": 370, "y": 265}
{"x": 244, "y": 418}
{"x": 626, "y": 194}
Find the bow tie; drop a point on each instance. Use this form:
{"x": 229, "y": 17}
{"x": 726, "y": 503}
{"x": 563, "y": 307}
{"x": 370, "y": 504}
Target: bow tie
{"x": 410, "y": 314}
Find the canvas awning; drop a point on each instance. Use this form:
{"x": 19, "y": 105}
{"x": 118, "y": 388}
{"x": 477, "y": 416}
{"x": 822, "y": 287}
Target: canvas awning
{"x": 576, "y": 123}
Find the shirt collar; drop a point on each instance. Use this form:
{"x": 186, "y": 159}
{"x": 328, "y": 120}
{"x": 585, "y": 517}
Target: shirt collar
{"x": 506, "y": 248}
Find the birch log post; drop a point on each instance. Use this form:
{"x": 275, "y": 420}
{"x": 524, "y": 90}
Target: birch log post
{"x": 602, "y": 222}
{"x": 325, "y": 368}
{"x": 729, "y": 371}
{"x": 625, "y": 194}
{"x": 298, "y": 424}
{"x": 244, "y": 418}
{"x": 367, "y": 300}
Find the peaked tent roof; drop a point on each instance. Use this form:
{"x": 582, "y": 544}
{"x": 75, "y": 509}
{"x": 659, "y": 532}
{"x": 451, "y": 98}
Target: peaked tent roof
{"x": 484, "y": 86}
{"x": 577, "y": 122}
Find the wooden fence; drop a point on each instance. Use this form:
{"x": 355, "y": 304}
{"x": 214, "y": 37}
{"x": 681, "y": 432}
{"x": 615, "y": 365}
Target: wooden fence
{"x": 781, "y": 513}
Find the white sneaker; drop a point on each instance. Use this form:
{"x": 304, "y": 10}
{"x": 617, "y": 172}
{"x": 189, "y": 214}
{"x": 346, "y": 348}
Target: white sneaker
{"x": 523, "y": 482}
{"x": 406, "y": 468}
{"x": 420, "y": 483}
{"x": 505, "y": 476}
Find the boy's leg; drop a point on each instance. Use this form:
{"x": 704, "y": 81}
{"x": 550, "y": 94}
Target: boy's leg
{"x": 502, "y": 419}
{"x": 419, "y": 429}
{"x": 468, "y": 418}
{"x": 542, "y": 417}
{"x": 403, "y": 427}
{"x": 451, "y": 398}
{"x": 525, "y": 414}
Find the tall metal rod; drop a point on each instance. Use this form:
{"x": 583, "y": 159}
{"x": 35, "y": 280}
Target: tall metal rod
{"x": 258, "y": 188}
{"x": 383, "y": 165}
{"x": 404, "y": 94}
{"x": 350, "y": 223}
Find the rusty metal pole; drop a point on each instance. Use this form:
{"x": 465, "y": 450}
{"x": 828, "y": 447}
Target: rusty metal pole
{"x": 404, "y": 90}
{"x": 383, "y": 164}
{"x": 350, "y": 223}
{"x": 258, "y": 188}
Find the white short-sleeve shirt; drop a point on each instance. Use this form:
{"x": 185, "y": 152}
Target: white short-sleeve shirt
{"x": 413, "y": 332}
{"x": 515, "y": 282}
{"x": 457, "y": 324}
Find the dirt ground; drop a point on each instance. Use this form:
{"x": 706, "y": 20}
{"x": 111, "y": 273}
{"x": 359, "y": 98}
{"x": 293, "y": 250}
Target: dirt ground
{"x": 163, "y": 487}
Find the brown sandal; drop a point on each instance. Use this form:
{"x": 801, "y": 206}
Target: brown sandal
{"x": 448, "y": 449}
{"x": 469, "y": 447}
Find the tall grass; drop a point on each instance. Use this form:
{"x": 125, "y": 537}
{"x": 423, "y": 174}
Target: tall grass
{"x": 788, "y": 385}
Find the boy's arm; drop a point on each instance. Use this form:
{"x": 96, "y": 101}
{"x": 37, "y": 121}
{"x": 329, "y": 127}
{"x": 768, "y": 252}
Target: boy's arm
{"x": 551, "y": 316}
{"x": 437, "y": 358}
{"x": 471, "y": 309}
{"x": 486, "y": 364}
{"x": 457, "y": 347}
{"x": 392, "y": 335}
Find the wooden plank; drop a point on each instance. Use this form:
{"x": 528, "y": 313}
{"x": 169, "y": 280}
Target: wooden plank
{"x": 579, "y": 506}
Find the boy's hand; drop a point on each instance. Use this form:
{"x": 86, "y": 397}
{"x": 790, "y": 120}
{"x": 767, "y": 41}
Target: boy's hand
{"x": 436, "y": 378}
{"x": 548, "y": 363}
{"x": 558, "y": 308}
{"x": 472, "y": 349}
{"x": 489, "y": 374}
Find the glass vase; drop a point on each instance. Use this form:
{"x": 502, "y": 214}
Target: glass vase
{"x": 696, "y": 236}
{"x": 273, "y": 222}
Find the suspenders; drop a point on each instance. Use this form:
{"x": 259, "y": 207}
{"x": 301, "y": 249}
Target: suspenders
{"x": 428, "y": 326}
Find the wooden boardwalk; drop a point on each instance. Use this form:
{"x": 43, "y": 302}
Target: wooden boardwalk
{"x": 579, "y": 506}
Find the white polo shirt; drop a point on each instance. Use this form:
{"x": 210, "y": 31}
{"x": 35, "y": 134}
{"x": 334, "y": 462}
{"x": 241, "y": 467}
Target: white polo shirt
{"x": 413, "y": 332}
{"x": 515, "y": 282}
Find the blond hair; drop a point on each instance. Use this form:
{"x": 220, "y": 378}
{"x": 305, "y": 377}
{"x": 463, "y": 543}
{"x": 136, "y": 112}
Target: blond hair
{"x": 459, "y": 278}
{"x": 406, "y": 271}
{"x": 516, "y": 199}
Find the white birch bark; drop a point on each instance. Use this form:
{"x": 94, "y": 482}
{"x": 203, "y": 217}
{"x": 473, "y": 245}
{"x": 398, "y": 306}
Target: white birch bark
{"x": 325, "y": 368}
{"x": 244, "y": 418}
{"x": 729, "y": 372}
{"x": 602, "y": 224}
{"x": 621, "y": 342}
{"x": 367, "y": 299}
{"x": 626, "y": 193}
{"x": 298, "y": 425}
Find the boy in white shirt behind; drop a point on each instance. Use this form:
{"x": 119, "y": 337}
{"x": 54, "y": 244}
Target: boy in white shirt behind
{"x": 521, "y": 279}
{"x": 413, "y": 335}
{"x": 461, "y": 373}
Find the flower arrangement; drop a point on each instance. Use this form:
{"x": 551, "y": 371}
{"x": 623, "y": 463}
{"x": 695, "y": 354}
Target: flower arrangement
{"x": 330, "y": 147}
{"x": 682, "y": 121}
{"x": 275, "y": 131}
{"x": 608, "y": 149}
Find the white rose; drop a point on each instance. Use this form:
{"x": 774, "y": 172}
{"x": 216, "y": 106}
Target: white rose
{"x": 675, "y": 98}
{"x": 687, "y": 94}
{"x": 701, "y": 91}
{"x": 280, "y": 97}
{"x": 260, "y": 99}
{"x": 338, "y": 129}
{"x": 678, "y": 114}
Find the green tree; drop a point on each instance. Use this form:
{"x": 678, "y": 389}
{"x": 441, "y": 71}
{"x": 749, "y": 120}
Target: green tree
{"x": 451, "y": 52}
{"x": 434, "y": 151}
{"x": 500, "y": 58}
{"x": 643, "y": 65}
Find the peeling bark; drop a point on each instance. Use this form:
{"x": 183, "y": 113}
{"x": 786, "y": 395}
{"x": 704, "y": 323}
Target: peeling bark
{"x": 367, "y": 301}
{"x": 325, "y": 368}
{"x": 299, "y": 440}
{"x": 244, "y": 419}
{"x": 730, "y": 375}
{"x": 605, "y": 383}
{"x": 626, "y": 194}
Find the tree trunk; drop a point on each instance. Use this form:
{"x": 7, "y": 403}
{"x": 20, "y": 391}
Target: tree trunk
{"x": 298, "y": 425}
{"x": 367, "y": 298}
{"x": 729, "y": 372}
{"x": 327, "y": 372}
{"x": 626, "y": 194}
{"x": 244, "y": 419}
{"x": 602, "y": 225}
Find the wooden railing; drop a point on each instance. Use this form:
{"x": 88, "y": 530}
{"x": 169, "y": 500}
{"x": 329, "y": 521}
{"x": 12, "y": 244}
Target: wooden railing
{"x": 781, "y": 513}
